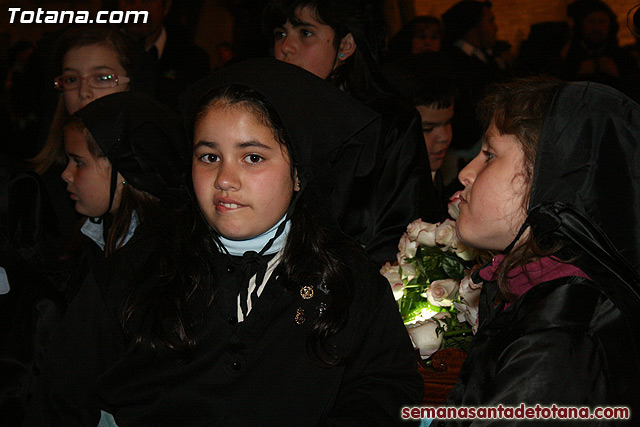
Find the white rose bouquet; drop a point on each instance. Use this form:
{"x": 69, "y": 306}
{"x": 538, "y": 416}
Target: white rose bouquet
{"x": 432, "y": 285}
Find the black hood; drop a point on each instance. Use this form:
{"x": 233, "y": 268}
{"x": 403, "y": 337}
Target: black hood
{"x": 144, "y": 141}
{"x": 586, "y": 186}
{"x": 318, "y": 118}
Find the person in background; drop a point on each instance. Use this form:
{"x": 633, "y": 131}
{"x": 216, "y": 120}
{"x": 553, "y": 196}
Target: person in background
{"x": 37, "y": 220}
{"x": 225, "y": 53}
{"x": 544, "y": 50}
{"x": 381, "y": 186}
{"x": 503, "y": 55}
{"x": 594, "y": 53}
{"x": 16, "y": 119}
{"x": 425, "y": 80}
{"x": 91, "y": 61}
{"x": 560, "y": 304}
{"x": 175, "y": 62}
{"x": 435, "y": 102}
{"x": 420, "y": 35}
{"x": 470, "y": 35}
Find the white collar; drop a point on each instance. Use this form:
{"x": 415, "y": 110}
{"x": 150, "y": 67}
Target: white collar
{"x": 4, "y": 282}
{"x": 95, "y": 231}
{"x": 161, "y": 42}
{"x": 239, "y": 247}
{"x": 471, "y": 50}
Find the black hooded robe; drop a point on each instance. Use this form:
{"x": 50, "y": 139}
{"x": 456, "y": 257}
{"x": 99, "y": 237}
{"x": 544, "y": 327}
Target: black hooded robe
{"x": 571, "y": 341}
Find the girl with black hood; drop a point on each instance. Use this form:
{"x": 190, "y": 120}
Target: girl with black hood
{"x": 556, "y": 190}
{"x": 126, "y": 166}
{"x": 253, "y": 309}
{"x": 124, "y": 150}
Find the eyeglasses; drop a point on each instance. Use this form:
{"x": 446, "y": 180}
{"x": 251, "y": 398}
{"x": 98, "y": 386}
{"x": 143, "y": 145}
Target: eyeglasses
{"x": 67, "y": 82}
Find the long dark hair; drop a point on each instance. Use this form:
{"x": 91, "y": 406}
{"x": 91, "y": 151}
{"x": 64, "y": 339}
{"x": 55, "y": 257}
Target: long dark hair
{"x": 170, "y": 304}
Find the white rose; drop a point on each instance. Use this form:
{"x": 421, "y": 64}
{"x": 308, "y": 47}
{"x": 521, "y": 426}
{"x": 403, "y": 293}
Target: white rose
{"x": 391, "y": 273}
{"x": 441, "y": 293}
{"x": 407, "y": 247}
{"x": 470, "y": 292}
{"x": 465, "y": 252}
{"x": 470, "y": 296}
{"x": 408, "y": 271}
{"x": 468, "y": 314}
{"x": 424, "y": 336}
{"x": 398, "y": 291}
{"x": 446, "y": 233}
{"x": 424, "y": 233}
{"x": 454, "y": 205}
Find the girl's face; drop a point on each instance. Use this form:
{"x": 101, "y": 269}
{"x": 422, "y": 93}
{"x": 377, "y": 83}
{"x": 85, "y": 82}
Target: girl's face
{"x": 491, "y": 207}
{"x": 426, "y": 39}
{"x": 307, "y": 43}
{"x": 88, "y": 178}
{"x": 241, "y": 173}
{"x": 85, "y": 61}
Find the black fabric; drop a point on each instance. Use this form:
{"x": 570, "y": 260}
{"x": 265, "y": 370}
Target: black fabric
{"x": 32, "y": 228}
{"x": 571, "y": 341}
{"x": 586, "y": 188}
{"x": 29, "y": 314}
{"x": 563, "y": 342}
{"x": 472, "y": 77}
{"x": 257, "y": 372}
{"x": 462, "y": 17}
{"x": 33, "y": 307}
{"x": 143, "y": 140}
{"x": 182, "y": 63}
{"x": 384, "y": 185}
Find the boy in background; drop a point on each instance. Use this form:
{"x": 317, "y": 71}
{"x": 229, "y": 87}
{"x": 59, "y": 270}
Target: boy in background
{"x": 435, "y": 103}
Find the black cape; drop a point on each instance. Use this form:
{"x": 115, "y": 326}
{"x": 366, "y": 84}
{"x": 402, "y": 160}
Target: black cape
{"x": 571, "y": 341}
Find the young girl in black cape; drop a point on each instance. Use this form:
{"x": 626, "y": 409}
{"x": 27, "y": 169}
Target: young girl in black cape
{"x": 122, "y": 150}
{"x": 556, "y": 189}
{"x": 253, "y": 310}
{"x": 126, "y": 168}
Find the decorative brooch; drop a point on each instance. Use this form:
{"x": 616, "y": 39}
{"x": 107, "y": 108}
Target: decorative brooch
{"x": 306, "y": 292}
{"x": 300, "y": 317}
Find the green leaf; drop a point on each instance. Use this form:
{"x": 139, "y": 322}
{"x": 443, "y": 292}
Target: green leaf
{"x": 413, "y": 307}
{"x": 453, "y": 268}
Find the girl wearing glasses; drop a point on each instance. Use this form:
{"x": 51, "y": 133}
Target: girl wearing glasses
{"x": 92, "y": 61}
